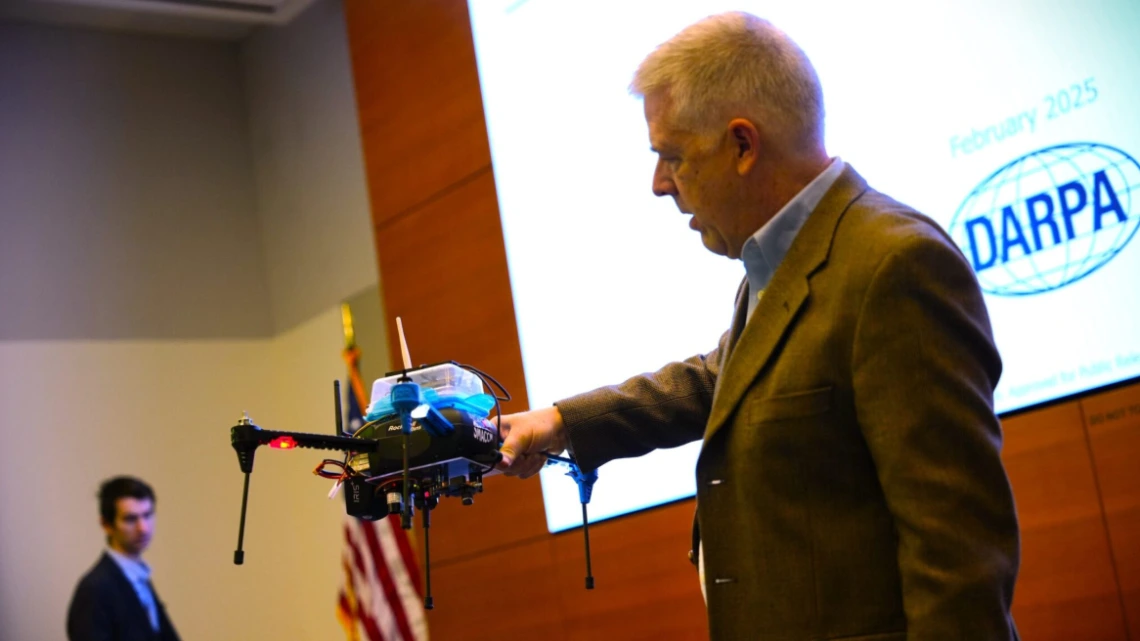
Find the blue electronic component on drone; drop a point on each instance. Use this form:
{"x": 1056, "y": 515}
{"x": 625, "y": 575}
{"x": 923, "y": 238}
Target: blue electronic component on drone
{"x": 585, "y": 481}
{"x": 433, "y": 420}
{"x": 405, "y": 398}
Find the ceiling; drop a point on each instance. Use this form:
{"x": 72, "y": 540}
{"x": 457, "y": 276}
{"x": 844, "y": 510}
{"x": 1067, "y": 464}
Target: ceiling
{"x": 218, "y": 19}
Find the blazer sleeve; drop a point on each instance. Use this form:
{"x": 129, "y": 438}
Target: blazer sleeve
{"x": 89, "y": 618}
{"x": 924, "y": 368}
{"x": 666, "y": 408}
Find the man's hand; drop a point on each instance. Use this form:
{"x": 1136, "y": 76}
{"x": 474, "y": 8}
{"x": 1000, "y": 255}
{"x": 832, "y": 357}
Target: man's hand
{"x": 526, "y": 436}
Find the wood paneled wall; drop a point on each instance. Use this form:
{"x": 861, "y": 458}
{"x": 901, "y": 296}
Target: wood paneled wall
{"x": 497, "y": 572}
{"x": 1112, "y": 436}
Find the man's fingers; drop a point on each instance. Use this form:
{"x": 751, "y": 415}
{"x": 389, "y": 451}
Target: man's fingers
{"x": 525, "y": 436}
{"x": 531, "y": 466}
{"x": 512, "y": 451}
{"x": 515, "y": 443}
{"x": 523, "y": 465}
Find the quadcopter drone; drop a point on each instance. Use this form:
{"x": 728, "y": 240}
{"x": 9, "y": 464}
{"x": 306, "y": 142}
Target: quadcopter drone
{"x": 426, "y": 435}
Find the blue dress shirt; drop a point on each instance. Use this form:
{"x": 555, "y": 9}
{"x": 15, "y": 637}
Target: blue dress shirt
{"x": 765, "y": 250}
{"x": 138, "y": 573}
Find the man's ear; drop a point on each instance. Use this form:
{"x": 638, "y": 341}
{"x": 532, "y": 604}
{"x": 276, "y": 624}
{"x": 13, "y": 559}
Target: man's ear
{"x": 746, "y": 143}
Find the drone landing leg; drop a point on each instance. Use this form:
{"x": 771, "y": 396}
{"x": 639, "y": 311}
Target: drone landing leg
{"x": 428, "y": 602}
{"x": 586, "y": 534}
{"x": 239, "y": 555}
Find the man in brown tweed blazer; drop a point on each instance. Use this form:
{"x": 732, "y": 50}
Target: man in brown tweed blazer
{"x": 849, "y": 484}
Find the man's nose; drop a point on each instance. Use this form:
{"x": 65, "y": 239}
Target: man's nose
{"x": 663, "y": 181}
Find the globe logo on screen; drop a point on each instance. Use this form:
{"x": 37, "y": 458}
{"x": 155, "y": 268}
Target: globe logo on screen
{"x": 1049, "y": 218}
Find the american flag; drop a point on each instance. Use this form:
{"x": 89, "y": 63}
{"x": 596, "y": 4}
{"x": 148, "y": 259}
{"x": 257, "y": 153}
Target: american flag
{"x": 380, "y": 597}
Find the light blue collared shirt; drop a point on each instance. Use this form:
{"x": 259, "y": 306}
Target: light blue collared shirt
{"x": 765, "y": 250}
{"x": 138, "y": 573}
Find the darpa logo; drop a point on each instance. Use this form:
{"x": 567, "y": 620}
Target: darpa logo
{"x": 1049, "y": 218}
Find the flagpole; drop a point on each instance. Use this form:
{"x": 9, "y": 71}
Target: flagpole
{"x": 352, "y": 356}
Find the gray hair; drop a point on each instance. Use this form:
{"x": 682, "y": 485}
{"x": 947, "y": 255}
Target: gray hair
{"x": 736, "y": 65}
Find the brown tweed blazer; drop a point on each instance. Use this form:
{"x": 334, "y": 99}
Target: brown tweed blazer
{"x": 849, "y": 485}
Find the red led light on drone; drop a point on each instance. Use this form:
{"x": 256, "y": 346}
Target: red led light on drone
{"x": 283, "y": 443}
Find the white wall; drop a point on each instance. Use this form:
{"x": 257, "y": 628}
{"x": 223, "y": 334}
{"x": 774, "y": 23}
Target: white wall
{"x": 151, "y": 288}
{"x": 308, "y": 164}
{"x": 126, "y": 192}
{"x": 75, "y": 412}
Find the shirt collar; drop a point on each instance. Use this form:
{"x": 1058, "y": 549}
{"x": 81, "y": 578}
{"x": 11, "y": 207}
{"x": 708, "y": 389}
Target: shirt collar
{"x": 135, "y": 569}
{"x": 765, "y": 250}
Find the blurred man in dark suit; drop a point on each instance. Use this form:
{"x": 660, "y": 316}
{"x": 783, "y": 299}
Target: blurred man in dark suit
{"x": 115, "y": 600}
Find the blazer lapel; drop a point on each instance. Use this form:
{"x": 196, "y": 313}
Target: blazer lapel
{"x": 782, "y": 300}
{"x": 739, "y": 318}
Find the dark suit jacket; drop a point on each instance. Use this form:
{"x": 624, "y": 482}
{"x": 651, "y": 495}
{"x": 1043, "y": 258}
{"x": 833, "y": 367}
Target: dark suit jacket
{"x": 849, "y": 485}
{"x": 105, "y": 607}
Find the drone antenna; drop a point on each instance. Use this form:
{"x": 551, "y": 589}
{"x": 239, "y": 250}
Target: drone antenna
{"x": 406, "y": 397}
{"x": 338, "y": 430}
{"x": 403, "y": 345}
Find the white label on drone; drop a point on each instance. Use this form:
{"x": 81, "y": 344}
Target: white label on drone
{"x": 482, "y": 434}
